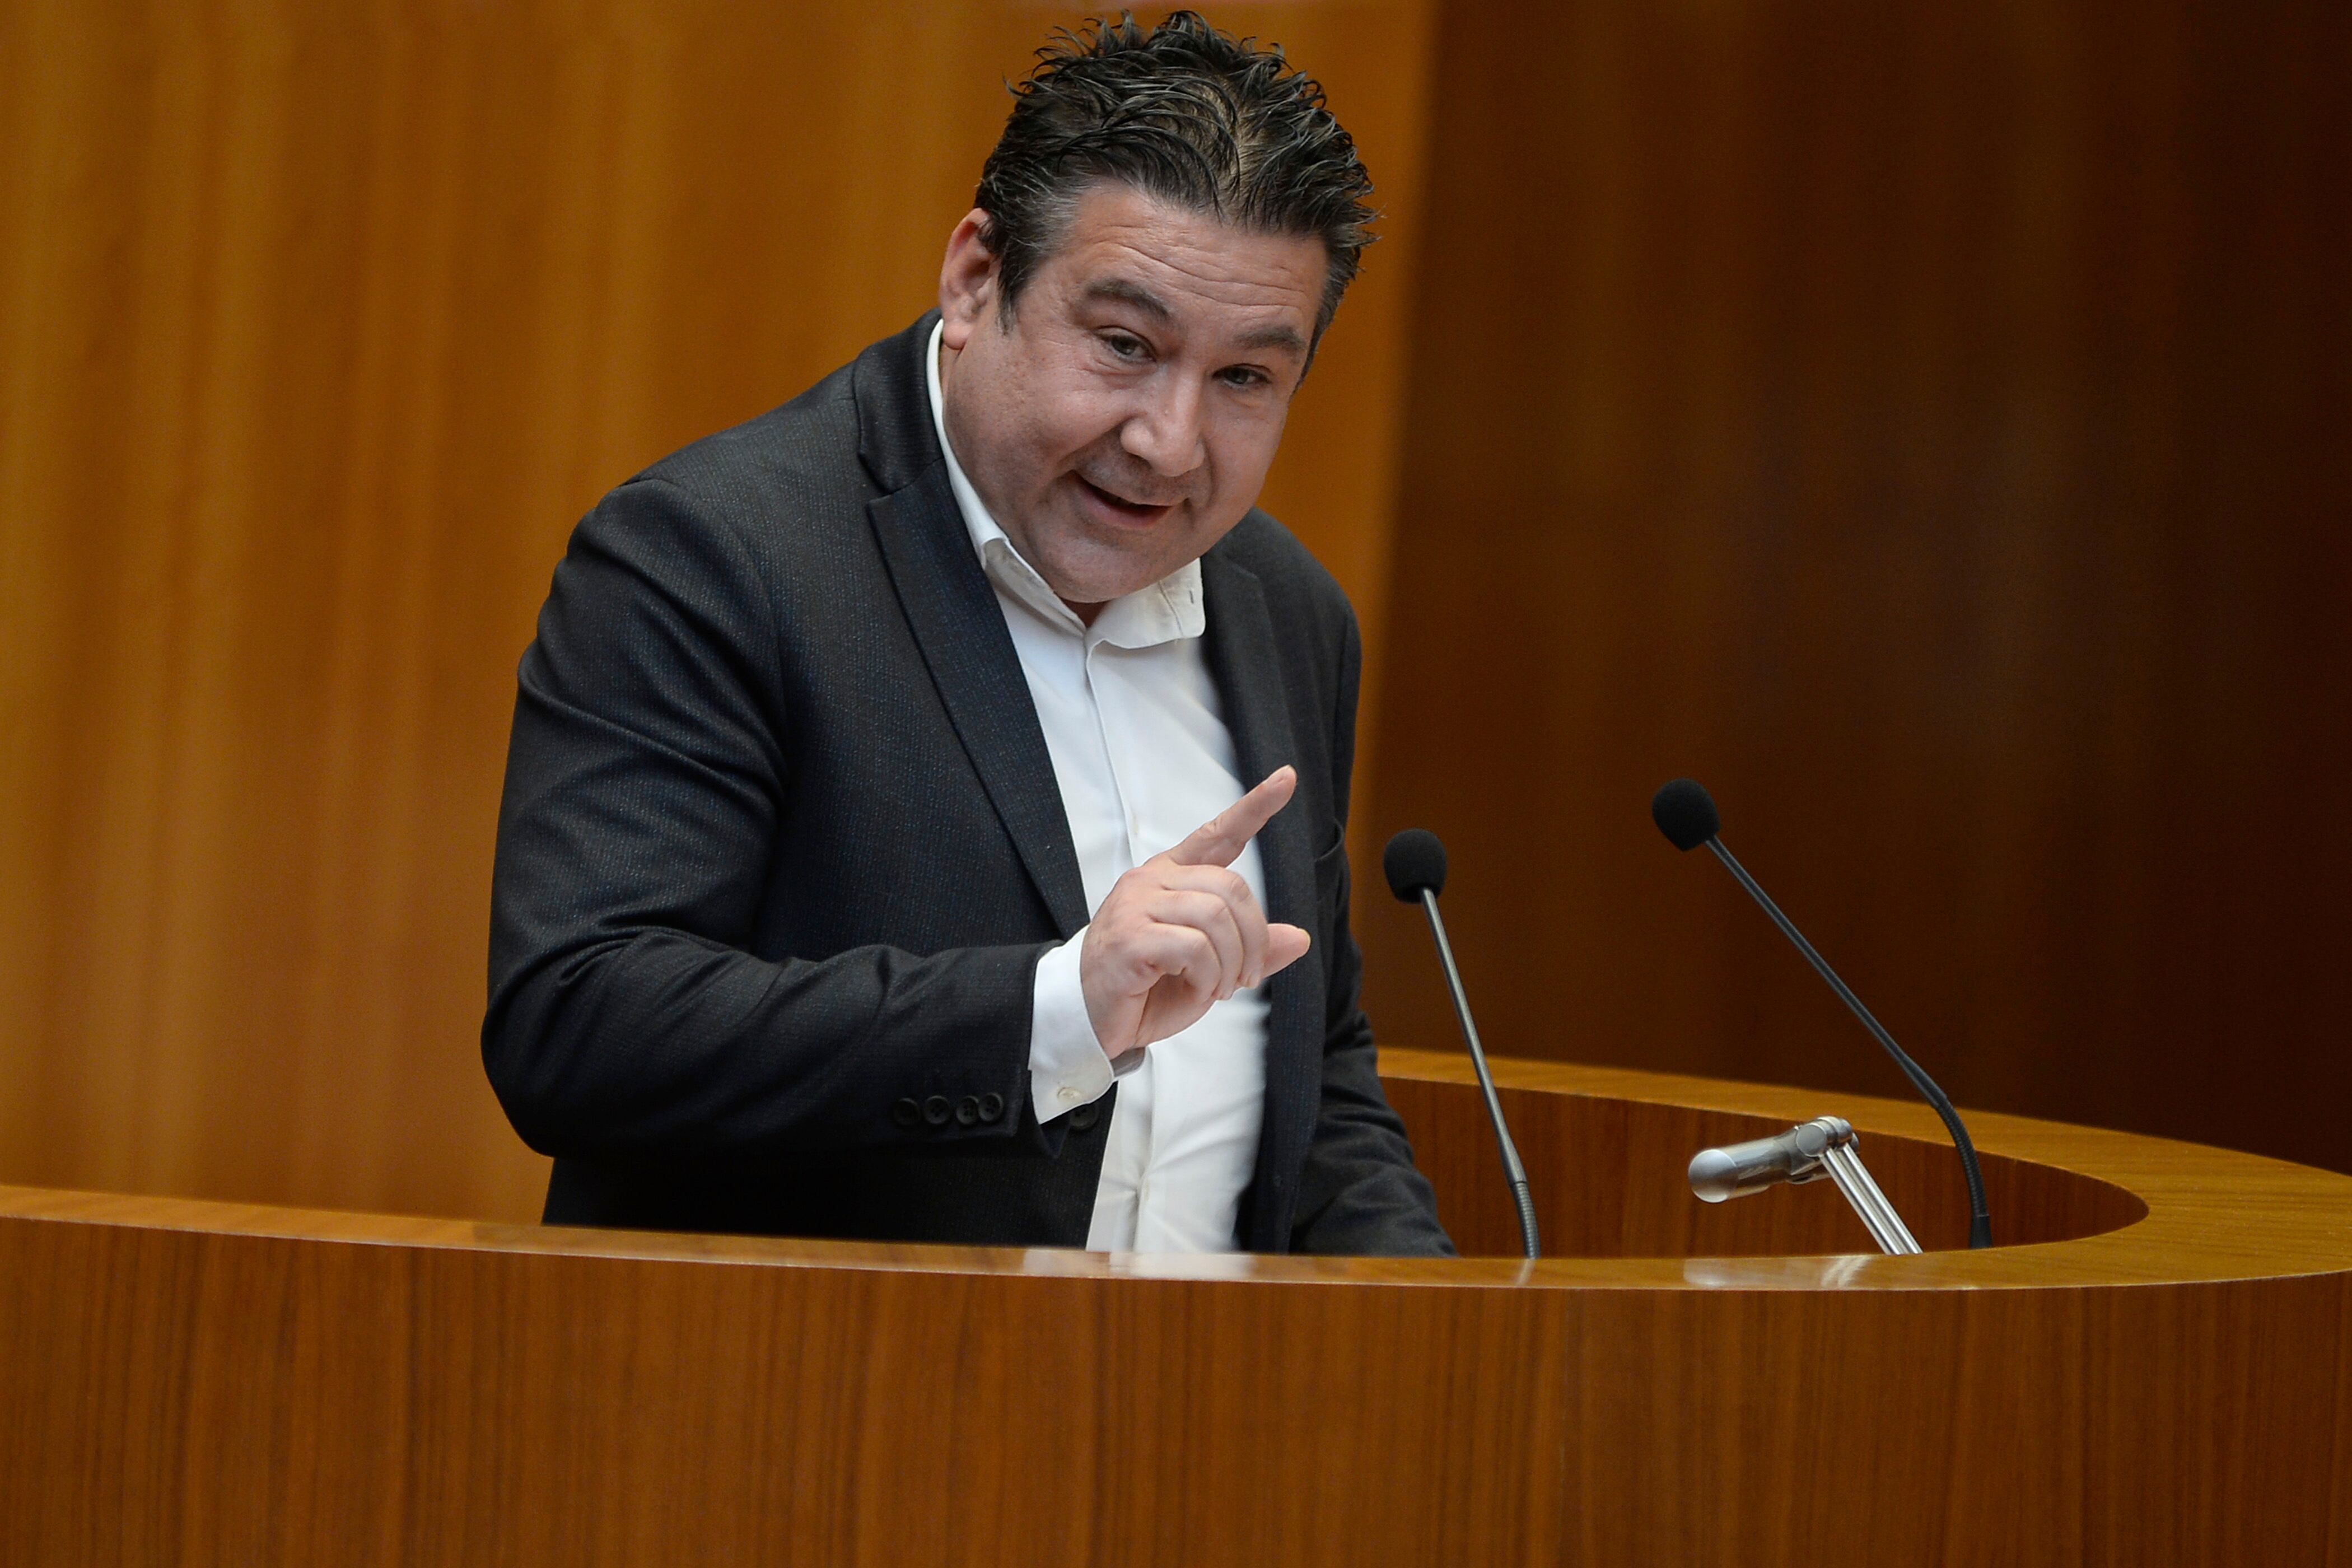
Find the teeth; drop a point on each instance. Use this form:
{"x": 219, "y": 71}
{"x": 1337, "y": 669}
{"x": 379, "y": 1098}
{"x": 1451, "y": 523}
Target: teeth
{"x": 1112, "y": 495}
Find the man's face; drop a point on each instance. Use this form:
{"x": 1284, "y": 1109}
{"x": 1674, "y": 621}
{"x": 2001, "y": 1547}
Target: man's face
{"x": 1122, "y": 420}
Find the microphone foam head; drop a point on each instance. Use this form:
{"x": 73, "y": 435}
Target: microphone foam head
{"x": 1685, "y": 814}
{"x": 1415, "y": 859}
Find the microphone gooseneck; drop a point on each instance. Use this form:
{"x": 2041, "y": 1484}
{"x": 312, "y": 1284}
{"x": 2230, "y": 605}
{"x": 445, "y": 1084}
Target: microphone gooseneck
{"x": 1685, "y": 813}
{"x": 1415, "y": 863}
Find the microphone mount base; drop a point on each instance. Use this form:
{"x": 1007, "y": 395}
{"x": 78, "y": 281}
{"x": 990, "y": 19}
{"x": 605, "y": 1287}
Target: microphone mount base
{"x": 1825, "y": 1146}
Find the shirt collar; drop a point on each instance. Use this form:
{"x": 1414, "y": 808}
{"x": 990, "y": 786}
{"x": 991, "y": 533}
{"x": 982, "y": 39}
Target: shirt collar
{"x": 1166, "y": 611}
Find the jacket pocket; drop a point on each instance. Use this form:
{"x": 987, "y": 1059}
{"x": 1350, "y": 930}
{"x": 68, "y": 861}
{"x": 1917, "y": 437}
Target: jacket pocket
{"x": 1331, "y": 888}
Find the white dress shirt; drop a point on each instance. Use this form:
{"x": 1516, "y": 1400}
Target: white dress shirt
{"x": 1143, "y": 757}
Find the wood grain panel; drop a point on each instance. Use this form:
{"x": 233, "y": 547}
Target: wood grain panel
{"x": 318, "y": 327}
{"x": 200, "y": 1383}
{"x": 1927, "y": 425}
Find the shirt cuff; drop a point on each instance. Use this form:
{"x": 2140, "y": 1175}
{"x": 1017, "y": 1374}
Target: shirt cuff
{"x": 1067, "y": 1065}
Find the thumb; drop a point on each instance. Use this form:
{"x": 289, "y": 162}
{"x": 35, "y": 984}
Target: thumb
{"x": 1284, "y": 946}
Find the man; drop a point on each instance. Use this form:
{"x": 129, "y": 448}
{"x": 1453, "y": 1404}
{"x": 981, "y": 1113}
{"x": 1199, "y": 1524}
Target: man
{"x": 875, "y": 859}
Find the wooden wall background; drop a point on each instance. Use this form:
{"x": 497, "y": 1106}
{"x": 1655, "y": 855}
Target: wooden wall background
{"x": 1932, "y": 427}
{"x": 320, "y": 325}
{"x": 1927, "y": 424}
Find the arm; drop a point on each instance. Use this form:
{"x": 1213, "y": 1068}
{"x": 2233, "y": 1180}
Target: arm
{"x": 1360, "y": 1193}
{"x": 649, "y": 758}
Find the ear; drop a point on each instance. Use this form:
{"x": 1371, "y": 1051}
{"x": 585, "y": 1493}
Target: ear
{"x": 966, "y": 280}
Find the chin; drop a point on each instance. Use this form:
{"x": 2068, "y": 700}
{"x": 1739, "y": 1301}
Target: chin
{"x": 1101, "y": 576}
{"x": 1089, "y": 568}
{"x": 1100, "y": 588}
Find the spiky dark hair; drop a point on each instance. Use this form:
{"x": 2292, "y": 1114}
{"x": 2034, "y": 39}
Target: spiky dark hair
{"x": 1188, "y": 114}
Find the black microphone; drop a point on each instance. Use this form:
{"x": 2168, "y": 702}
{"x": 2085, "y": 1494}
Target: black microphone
{"x": 1686, "y": 815}
{"x": 1415, "y": 862}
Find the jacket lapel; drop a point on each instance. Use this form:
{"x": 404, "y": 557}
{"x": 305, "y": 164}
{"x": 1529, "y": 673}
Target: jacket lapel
{"x": 1244, "y": 661}
{"x": 957, "y": 621}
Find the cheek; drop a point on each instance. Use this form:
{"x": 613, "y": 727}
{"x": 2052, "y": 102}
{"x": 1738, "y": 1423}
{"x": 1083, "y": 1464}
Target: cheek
{"x": 1242, "y": 449}
{"x": 1071, "y": 421}
{"x": 1030, "y": 427}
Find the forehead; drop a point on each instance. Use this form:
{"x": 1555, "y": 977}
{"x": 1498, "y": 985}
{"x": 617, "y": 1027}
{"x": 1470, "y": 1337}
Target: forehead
{"x": 1125, "y": 249}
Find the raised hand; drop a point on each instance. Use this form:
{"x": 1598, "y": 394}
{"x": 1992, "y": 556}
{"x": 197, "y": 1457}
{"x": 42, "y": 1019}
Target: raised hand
{"x": 1182, "y": 930}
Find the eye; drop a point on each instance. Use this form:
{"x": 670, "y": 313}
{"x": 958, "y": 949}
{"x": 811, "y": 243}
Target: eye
{"x": 1245, "y": 376}
{"x": 1126, "y": 346}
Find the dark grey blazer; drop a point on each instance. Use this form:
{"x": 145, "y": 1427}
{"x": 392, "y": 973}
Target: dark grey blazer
{"x": 781, "y": 848}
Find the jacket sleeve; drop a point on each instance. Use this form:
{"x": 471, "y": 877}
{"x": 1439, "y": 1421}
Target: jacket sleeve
{"x": 1360, "y": 1193}
{"x": 650, "y": 754}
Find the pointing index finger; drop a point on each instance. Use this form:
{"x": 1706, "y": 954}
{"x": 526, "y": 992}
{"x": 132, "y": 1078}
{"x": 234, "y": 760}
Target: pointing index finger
{"x": 1220, "y": 840}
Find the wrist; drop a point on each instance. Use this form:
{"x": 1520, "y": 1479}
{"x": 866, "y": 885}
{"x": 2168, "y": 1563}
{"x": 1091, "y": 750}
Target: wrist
{"x": 1067, "y": 1065}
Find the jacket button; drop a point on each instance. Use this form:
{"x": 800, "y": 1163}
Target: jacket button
{"x": 936, "y": 1110}
{"x": 1086, "y": 1116}
{"x": 968, "y": 1110}
{"x": 992, "y": 1107}
{"x": 907, "y": 1113}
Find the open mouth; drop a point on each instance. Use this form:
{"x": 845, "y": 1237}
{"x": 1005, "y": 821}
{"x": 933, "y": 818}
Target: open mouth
{"x": 1120, "y": 507}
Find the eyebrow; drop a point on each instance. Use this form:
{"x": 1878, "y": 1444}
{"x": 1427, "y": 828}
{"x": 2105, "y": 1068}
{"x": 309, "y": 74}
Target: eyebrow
{"x": 1128, "y": 293}
{"x": 1134, "y": 294}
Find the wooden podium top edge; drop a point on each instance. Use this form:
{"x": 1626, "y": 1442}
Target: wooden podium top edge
{"x": 2214, "y": 1216}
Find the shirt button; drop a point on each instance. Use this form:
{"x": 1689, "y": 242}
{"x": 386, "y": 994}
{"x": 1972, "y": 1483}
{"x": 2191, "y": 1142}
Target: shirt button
{"x": 1069, "y": 1096}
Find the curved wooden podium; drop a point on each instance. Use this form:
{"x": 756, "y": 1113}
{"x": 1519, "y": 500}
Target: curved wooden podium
{"x": 2153, "y": 1369}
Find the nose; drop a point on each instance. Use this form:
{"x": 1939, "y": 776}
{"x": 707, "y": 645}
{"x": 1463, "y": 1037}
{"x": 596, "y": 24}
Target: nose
{"x": 1166, "y": 431}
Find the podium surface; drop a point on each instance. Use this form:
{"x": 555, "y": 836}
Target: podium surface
{"x": 2154, "y": 1367}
